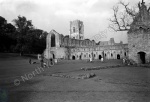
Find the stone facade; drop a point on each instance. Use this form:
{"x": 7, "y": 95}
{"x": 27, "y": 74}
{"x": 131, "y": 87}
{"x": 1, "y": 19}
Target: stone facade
{"x": 139, "y": 36}
{"x": 77, "y": 30}
{"x": 75, "y": 47}
{"x": 64, "y": 47}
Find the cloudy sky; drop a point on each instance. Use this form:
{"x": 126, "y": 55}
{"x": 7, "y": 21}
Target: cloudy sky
{"x": 56, "y": 14}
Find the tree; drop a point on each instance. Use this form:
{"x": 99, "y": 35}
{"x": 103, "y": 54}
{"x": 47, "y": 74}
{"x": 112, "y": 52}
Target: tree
{"x": 2, "y": 31}
{"x": 9, "y": 28}
{"x": 23, "y": 26}
{"x": 22, "y": 37}
{"x": 122, "y": 19}
{"x": 7, "y": 32}
{"x": 10, "y": 33}
{"x": 36, "y": 40}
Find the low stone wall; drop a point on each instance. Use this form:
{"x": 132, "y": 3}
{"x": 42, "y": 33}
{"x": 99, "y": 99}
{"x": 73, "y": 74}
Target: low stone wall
{"x": 79, "y": 76}
{"x": 100, "y": 67}
{"x": 116, "y": 66}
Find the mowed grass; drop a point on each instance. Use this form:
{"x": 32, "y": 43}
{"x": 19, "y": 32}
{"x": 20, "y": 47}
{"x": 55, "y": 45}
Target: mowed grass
{"x": 14, "y": 65}
{"x": 123, "y": 84}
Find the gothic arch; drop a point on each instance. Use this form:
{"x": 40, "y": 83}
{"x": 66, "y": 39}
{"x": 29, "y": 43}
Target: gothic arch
{"x": 118, "y": 56}
{"x": 53, "y": 56}
{"x": 111, "y": 55}
{"x": 73, "y": 57}
{"x": 100, "y": 57}
{"x": 125, "y": 54}
{"x": 53, "y": 40}
{"x": 141, "y": 57}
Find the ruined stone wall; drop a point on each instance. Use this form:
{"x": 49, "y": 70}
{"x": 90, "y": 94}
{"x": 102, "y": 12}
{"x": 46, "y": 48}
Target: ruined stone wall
{"x": 139, "y": 42}
{"x": 65, "y": 41}
{"x": 110, "y": 52}
{"x": 77, "y": 29}
{"x": 68, "y": 48}
{"x": 139, "y": 36}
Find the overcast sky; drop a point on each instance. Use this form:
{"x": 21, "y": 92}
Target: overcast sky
{"x": 56, "y": 14}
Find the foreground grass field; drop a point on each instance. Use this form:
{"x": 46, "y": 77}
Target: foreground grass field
{"x": 121, "y": 84}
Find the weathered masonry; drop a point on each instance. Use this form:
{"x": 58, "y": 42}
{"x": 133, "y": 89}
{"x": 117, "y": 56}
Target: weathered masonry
{"x": 139, "y": 36}
{"x": 77, "y": 30}
{"x": 75, "y": 47}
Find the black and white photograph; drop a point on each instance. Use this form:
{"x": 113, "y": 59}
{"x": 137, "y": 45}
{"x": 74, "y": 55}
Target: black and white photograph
{"x": 74, "y": 50}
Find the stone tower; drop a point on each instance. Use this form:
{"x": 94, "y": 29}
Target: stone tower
{"x": 77, "y": 30}
{"x": 139, "y": 36}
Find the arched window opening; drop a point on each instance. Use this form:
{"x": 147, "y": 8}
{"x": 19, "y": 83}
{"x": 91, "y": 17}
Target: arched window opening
{"x": 53, "y": 40}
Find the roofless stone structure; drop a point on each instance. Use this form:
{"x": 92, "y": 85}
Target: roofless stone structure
{"x": 75, "y": 47}
{"x": 139, "y": 36}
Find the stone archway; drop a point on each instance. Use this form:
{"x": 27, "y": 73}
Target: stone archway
{"x": 111, "y": 55}
{"x": 125, "y": 54}
{"x": 100, "y": 57}
{"x": 118, "y": 56}
{"x": 80, "y": 57}
{"x": 94, "y": 55}
{"x": 53, "y": 56}
{"x": 105, "y": 55}
{"x": 53, "y": 43}
{"x": 141, "y": 57}
{"x": 73, "y": 57}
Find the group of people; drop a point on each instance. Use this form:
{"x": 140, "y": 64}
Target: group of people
{"x": 45, "y": 62}
{"x": 51, "y": 61}
{"x": 127, "y": 61}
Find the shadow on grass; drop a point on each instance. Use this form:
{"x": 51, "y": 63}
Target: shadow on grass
{"x": 33, "y": 56}
{"x": 4, "y": 56}
{"x": 18, "y": 93}
{"x": 8, "y": 55}
{"x": 22, "y": 93}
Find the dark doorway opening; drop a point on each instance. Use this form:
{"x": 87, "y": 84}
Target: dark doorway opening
{"x": 125, "y": 54}
{"x": 142, "y": 57}
{"x": 53, "y": 40}
{"x": 73, "y": 57}
{"x": 80, "y": 57}
{"x": 53, "y": 56}
{"x": 118, "y": 56}
{"x": 111, "y": 55}
{"x": 100, "y": 57}
{"x": 103, "y": 54}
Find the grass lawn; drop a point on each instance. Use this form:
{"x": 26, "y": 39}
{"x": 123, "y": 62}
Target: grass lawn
{"x": 121, "y": 84}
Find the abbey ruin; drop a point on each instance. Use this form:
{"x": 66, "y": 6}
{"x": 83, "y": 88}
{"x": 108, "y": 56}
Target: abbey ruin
{"x": 139, "y": 36}
{"x": 76, "y": 47}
